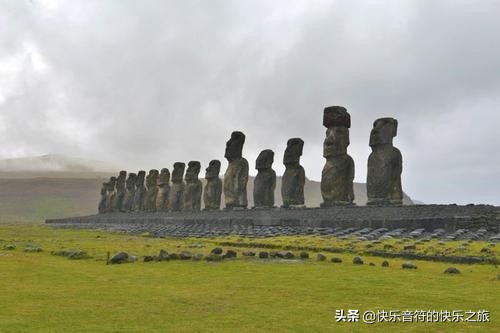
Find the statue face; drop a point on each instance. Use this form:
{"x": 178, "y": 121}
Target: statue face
{"x": 192, "y": 171}
{"x": 140, "y": 177}
{"x": 336, "y": 141}
{"x": 164, "y": 176}
{"x": 234, "y": 146}
{"x": 293, "y": 151}
{"x": 384, "y": 129}
{"x": 264, "y": 160}
{"x": 213, "y": 169}
{"x": 178, "y": 172}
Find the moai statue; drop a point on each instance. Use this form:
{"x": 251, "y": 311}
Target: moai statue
{"x": 213, "y": 189}
{"x": 120, "y": 192}
{"x": 110, "y": 195}
{"x": 265, "y": 181}
{"x": 236, "y": 176}
{"x": 177, "y": 189}
{"x": 294, "y": 178}
{"x": 338, "y": 173}
{"x": 163, "y": 190}
{"x": 192, "y": 191}
{"x": 385, "y": 165}
{"x": 104, "y": 196}
{"x": 152, "y": 191}
{"x": 128, "y": 202}
{"x": 140, "y": 191}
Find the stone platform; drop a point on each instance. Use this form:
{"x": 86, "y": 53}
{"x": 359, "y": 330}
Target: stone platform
{"x": 443, "y": 221}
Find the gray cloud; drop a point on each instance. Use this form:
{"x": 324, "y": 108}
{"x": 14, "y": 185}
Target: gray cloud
{"x": 145, "y": 84}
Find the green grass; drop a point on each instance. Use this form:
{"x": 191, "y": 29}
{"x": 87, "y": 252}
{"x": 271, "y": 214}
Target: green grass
{"x": 40, "y": 292}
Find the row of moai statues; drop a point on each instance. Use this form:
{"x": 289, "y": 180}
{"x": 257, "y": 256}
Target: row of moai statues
{"x": 154, "y": 192}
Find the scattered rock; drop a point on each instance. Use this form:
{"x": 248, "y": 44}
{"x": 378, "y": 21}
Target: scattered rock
{"x": 173, "y": 256}
{"x": 371, "y": 264}
{"x": 248, "y": 254}
{"x": 230, "y": 254}
{"x": 9, "y": 247}
{"x": 409, "y": 247}
{"x": 185, "y": 255}
{"x": 286, "y": 255}
{"x": 198, "y": 257}
{"x": 336, "y": 260}
{"x": 320, "y": 257}
{"x": 452, "y": 270}
{"x": 263, "y": 255}
{"x": 385, "y": 263}
{"x": 357, "y": 260}
{"x": 304, "y": 255}
{"x": 274, "y": 254}
{"x": 119, "y": 258}
{"x": 217, "y": 250}
{"x": 149, "y": 258}
{"x": 408, "y": 265}
{"x": 213, "y": 257}
{"x": 163, "y": 255}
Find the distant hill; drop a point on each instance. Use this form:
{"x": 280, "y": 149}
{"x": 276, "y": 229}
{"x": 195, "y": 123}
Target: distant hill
{"x": 52, "y": 163}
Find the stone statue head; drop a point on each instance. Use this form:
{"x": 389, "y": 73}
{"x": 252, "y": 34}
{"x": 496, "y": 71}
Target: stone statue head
{"x": 264, "y": 160}
{"x": 336, "y": 141}
{"x": 131, "y": 180}
{"x": 384, "y": 129}
{"x": 234, "y": 146}
{"x": 152, "y": 177}
{"x": 140, "y": 178}
{"x": 334, "y": 116}
{"x": 164, "y": 178}
{"x": 112, "y": 183}
{"x": 213, "y": 169}
{"x": 337, "y": 121}
{"x": 178, "y": 172}
{"x": 192, "y": 171}
{"x": 122, "y": 175}
{"x": 293, "y": 151}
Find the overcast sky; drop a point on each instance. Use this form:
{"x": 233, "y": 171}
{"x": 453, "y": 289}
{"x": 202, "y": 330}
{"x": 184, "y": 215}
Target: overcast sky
{"x": 143, "y": 84}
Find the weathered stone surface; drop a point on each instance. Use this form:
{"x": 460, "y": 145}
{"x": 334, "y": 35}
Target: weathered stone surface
{"x": 120, "y": 258}
{"x": 263, "y": 255}
{"x": 385, "y": 263}
{"x": 101, "y": 209}
{"x": 408, "y": 265}
{"x": 357, "y": 260}
{"x": 304, "y": 255}
{"x": 163, "y": 190}
{"x": 175, "y": 199}
{"x": 120, "y": 192}
{"x": 294, "y": 178}
{"x": 338, "y": 173}
{"x": 152, "y": 190}
{"x": 217, "y": 250}
{"x": 320, "y": 257}
{"x": 248, "y": 253}
{"x": 140, "y": 191}
{"x": 265, "y": 181}
{"x": 198, "y": 257}
{"x": 385, "y": 165}
{"x": 164, "y": 255}
{"x": 110, "y": 194}
{"x": 193, "y": 187}
{"x": 338, "y": 260}
{"x": 452, "y": 270}
{"x": 236, "y": 176}
{"x": 128, "y": 201}
{"x": 230, "y": 254}
{"x": 185, "y": 255}
{"x": 213, "y": 188}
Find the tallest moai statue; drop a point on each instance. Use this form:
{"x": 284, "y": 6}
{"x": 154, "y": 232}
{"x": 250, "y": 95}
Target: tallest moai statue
{"x": 338, "y": 172}
{"x": 385, "y": 164}
{"x": 236, "y": 176}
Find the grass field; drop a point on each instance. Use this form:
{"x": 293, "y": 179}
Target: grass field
{"x": 40, "y": 292}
